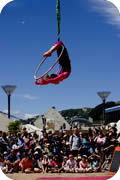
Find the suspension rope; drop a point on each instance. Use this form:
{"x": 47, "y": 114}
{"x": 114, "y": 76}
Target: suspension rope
{"x": 58, "y": 18}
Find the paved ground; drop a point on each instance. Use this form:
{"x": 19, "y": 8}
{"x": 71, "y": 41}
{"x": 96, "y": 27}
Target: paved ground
{"x": 22, "y": 176}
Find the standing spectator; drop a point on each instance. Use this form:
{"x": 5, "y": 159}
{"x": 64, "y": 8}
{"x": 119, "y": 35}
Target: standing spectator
{"x": 56, "y": 144}
{"x": 85, "y": 145}
{"x": 20, "y": 141}
{"x": 100, "y": 141}
{"x": 75, "y": 142}
{"x": 10, "y": 140}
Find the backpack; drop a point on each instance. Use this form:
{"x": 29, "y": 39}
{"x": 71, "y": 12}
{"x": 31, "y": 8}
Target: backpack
{"x": 77, "y": 136}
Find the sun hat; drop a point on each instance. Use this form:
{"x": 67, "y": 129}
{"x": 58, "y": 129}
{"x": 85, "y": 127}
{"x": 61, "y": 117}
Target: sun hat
{"x": 84, "y": 156}
{"x": 70, "y": 156}
{"x": 65, "y": 157}
{"x": 37, "y": 147}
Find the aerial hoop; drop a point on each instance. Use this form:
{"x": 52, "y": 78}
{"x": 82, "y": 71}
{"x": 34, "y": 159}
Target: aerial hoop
{"x": 39, "y": 66}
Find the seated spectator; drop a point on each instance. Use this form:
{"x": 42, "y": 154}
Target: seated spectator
{"x": 12, "y": 162}
{"x": 37, "y": 162}
{"x": 2, "y": 164}
{"x": 84, "y": 165}
{"x": 78, "y": 160}
{"x": 71, "y": 164}
{"x": 95, "y": 162}
{"x": 50, "y": 165}
{"x": 106, "y": 164}
{"x": 64, "y": 163}
{"x": 27, "y": 164}
{"x": 45, "y": 163}
{"x": 56, "y": 164}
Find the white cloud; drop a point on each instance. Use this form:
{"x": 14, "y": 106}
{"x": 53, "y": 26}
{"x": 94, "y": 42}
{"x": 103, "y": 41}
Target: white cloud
{"x": 27, "y": 96}
{"x": 20, "y": 114}
{"x": 16, "y": 113}
{"x": 22, "y": 22}
{"x": 26, "y": 116}
{"x": 13, "y": 112}
{"x": 108, "y": 10}
{"x": 5, "y": 111}
{"x": 30, "y": 97}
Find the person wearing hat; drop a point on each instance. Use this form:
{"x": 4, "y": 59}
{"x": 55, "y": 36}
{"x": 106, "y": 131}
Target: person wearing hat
{"x": 79, "y": 158}
{"x": 71, "y": 164}
{"x": 37, "y": 158}
{"x": 83, "y": 165}
{"x": 45, "y": 163}
{"x": 64, "y": 163}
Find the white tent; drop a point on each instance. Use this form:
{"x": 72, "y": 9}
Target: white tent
{"x": 117, "y": 126}
{"x": 31, "y": 129}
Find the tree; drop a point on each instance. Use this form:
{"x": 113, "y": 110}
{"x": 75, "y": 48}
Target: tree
{"x": 14, "y": 126}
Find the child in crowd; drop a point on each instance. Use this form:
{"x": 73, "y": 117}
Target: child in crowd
{"x": 45, "y": 163}
{"x": 106, "y": 164}
{"x": 71, "y": 164}
{"x": 64, "y": 163}
{"x": 95, "y": 162}
{"x": 27, "y": 164}
{"x": 36, "y": 162}
{"x": 2, "y": 164}
{"x": 50, "y": 165}
{"x": 78, "y": 160}
{"x": 84, "y": 165}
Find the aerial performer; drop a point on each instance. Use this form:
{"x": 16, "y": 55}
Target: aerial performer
{"x": 63, "y": 60}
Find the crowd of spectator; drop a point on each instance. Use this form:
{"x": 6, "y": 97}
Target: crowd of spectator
{"x": 52, "y": 153}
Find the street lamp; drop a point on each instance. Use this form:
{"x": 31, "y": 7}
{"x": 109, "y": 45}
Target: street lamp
{"x": 103, "y": 95}
{"x": 8, "y": 90}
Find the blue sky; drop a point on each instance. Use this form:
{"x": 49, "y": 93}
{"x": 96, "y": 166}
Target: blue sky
{"x": 90, "y": 29}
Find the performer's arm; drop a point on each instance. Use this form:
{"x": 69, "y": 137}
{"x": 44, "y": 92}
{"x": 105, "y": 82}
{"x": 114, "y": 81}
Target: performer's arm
{"x": 51, "y": 50}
